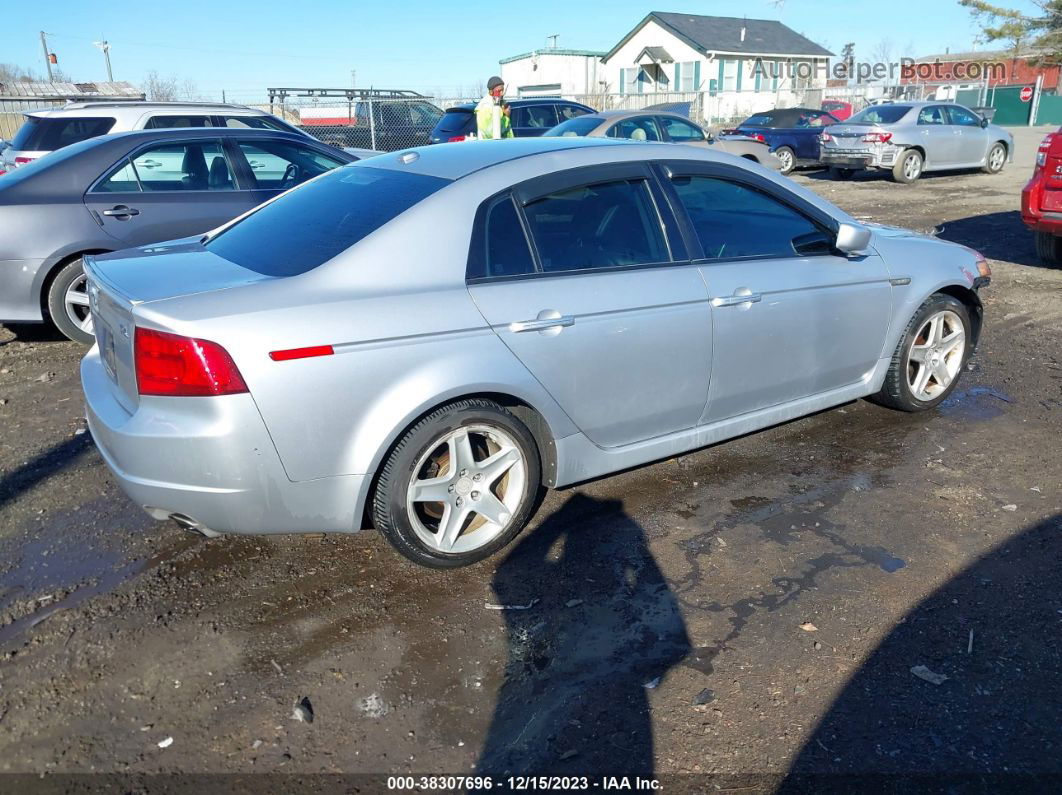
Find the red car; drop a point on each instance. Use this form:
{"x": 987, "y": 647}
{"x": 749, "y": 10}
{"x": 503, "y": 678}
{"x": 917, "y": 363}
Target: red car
{"x": 1041, "y": 200}
{"x": 838, "y": 108}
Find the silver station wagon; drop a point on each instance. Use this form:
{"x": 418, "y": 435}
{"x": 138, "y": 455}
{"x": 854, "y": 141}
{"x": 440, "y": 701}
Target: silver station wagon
{"x": 424, "y": 340}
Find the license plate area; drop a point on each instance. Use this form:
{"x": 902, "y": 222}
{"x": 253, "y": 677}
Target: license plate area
{"x": 105, "y": 340}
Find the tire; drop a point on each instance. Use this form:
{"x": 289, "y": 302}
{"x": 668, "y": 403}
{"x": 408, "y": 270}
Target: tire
{"x": 901, "y": 382}
{"x": 419, "y": 528}
{"x": 904, "y": 175}
{"x": 997, "y": 158}
{"x": 72, "y": 320}
{"x": 1049, "y": 248}
{"x": 788, "y": 158}
{"x": 840, "y": 173}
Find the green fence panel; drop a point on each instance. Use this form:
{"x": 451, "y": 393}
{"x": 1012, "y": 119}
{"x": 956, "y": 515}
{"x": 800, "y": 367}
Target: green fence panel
{"x": 1050, "y": 110}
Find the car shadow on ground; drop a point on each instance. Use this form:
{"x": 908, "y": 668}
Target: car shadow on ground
{"x": 33, "y": 332}
{"x": 992, "y": 631}
{"x": 1000, "y": 236}
{"x": 602, "y": 629}
{"x": 42, "y": 466}
{"x": 874, "y": 174}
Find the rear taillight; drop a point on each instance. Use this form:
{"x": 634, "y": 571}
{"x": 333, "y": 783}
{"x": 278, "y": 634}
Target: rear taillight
{"x": 21, "y": 161}
{"x": 1041, "y": 153}
{"x": 825, "y": 137}
{"x": 759, "y": 137}
{"x": 170, "y": 365}
{"x": 877, "y": 138}
{"x": 455, "y": 139}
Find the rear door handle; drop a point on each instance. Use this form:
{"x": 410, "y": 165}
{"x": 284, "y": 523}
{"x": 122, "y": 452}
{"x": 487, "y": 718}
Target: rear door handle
{"x": 121, "y": 211}
{"x": 737, "y": 299}
{"x": 554, "y": 321}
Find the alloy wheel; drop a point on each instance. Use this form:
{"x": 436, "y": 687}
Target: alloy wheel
{"x": 76, "y": 304}
{"x": 466, "y": 488}
{"x": 936, "y": 355}
{"x": 997, "y": 158}
{"x": 912, "y": 166}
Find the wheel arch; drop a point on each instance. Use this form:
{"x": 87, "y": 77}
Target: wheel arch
{"x": 47, "y": 275}
{"x": 972, "y": 301}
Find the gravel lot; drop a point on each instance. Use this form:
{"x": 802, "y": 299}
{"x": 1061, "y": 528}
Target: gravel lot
{"x": 751, "y": 609}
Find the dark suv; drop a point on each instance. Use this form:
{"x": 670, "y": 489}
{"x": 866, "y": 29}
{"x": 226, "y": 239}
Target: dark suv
{"x": 529, "y": 117}
{"x": 393, "y": 124}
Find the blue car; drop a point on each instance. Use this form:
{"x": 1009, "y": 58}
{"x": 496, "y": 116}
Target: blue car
{"x": 792, "y": 133}
{"x": 530, "y": 118}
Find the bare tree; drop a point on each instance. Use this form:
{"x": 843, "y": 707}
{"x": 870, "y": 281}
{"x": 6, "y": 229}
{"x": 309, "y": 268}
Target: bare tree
{"x": 160, "y": 89}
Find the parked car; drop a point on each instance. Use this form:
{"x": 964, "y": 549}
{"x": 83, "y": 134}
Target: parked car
{"x": 529, "y": 118}
{"x": 910, "y": 138}
{"x": 1041, "y": 200}
{"x": 49, "y": 129}
{"x": 345, "y": 352}
{"x": 395, "y": 123}
{"x": 130, "y": 189}
{"x": 838, "y": 108}
{"x": 638, "y": 125}
{"x": 791, "y": 133}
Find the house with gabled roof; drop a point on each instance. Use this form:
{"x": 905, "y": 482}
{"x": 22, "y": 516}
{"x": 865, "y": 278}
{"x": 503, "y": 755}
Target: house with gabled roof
{"x": 739, "y": 66}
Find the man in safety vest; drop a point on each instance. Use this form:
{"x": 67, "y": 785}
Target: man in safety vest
{"x": 492, "y": 114}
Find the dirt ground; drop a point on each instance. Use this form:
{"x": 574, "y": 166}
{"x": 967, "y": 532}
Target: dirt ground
{"x": 753, "y": 609}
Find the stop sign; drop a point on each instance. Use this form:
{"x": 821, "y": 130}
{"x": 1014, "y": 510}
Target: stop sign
{"x": 1026, "y": 94}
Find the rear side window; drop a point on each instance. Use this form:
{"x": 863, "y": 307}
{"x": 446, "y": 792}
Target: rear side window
{"x": 176, "y": 122}
{"x": 499, "y": 246}
{"x": 734, "y": 221}
{"x": 565, "y": 112}
{"x": 48, "y": 134}
{"x": 309, "y": 226}
{"x": 255, "y": 123}
{"x": 598, "y": 226}
{"x": 583, "y": 125}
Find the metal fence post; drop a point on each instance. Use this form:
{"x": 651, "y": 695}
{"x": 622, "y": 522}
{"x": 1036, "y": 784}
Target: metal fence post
{"x": 372, "y": 123}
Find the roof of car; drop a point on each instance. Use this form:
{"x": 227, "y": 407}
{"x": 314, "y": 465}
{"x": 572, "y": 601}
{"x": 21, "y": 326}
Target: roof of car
{"x": 143, "y": 107}
{"x": 519, "y": 103}
{"x": 456, "y": 160}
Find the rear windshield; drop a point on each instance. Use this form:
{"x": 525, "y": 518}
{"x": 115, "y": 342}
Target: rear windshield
{"x": 43, "y": 134}
{"x": 880, "y": 114}
{"x": 455, "y": 120}
{"x": 759, "y": 120}
{"x": 581, "y": 125}
{"x": 310, "y": 225}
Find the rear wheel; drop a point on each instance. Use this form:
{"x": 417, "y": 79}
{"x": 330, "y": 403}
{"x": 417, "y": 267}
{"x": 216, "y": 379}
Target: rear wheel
{"x": 930, "y": 357}
{"x": 908, "y": 167}
{"x": 68, "y": 303}
{"x": 787, "y": 158}
{"x": 997, "y": 157}
{"x": 1049, "y": 248}
{"x": 459, "y": 486}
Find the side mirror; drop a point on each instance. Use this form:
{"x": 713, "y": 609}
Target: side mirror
{"x": 984, "y": 123}
{"x": 852, "y": 239}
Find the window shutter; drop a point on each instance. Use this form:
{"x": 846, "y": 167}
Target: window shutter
{"x": 696, "y": 75}
{"x": 623, "y": 76}
{"x": 740, "y": 70}
{"x": 678, "y": 76}
{"x": 722, "y": 64}
{"x": 757, "y": 68}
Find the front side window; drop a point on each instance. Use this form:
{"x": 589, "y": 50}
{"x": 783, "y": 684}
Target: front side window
{"x": 195, "y": 165}
{"x": 681, "y": 131}
{"x": 934, "y": 114}
{"x": 734, "y": 221}
{"x": 279, "y": 165}
{"x": 640, "y": 128}
{"x": 175, "y": 122}
{"x": 424, "y": 114}
{"x": 309, "y": 226}
{"x": 537, "y": 116}
{"x": 963, "y": 117}
{"x": 607, "y": 225}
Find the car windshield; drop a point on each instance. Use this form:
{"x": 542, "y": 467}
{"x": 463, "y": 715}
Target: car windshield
{"x": 579, "y": 126}
{"x": 880, "y": 114}
{"x": 313, "y": 223}
{"x": 45, "y": 134}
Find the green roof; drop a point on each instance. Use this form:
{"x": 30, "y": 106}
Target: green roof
{"x": 550, "y": 51}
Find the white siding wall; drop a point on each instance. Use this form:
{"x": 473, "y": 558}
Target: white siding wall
{"x": 576, "y": 74}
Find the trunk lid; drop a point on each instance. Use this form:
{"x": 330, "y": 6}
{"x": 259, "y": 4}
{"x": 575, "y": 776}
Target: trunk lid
{"x": 849, "y": 137}
{"x": 118, "y": 283}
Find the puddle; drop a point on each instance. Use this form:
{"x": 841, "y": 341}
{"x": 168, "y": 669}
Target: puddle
{"x": 977, "y": 403}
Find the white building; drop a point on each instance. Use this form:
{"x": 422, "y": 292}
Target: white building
{"x": 738, "y": 66}
{"x": 552, "y": 73}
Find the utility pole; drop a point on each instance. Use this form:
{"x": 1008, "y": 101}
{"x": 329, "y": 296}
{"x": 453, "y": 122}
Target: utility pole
{"x": 353, "y": 78}
{"x": 105, "y": 48}
{"x": 47, "y": 56}
{"x": 554, "y": 37}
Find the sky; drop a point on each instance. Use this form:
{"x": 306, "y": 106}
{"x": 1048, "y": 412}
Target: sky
{"x": 244, "y": 46}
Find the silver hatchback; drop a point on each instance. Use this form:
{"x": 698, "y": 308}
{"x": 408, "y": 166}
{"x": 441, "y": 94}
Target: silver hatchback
{"x": 425, "y": 340}
{"x": 910, "y": 138}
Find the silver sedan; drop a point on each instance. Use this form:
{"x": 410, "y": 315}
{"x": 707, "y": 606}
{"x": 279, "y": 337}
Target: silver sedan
{"x": 910, "y": 138}
{"x": 662, "y": 126}
{"x": 425, "y": 340}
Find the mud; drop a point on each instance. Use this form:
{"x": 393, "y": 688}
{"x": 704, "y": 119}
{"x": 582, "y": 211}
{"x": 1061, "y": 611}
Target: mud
{"x": 894, "y": 535}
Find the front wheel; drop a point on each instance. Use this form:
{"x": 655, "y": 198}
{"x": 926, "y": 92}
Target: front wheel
{"x": 997, "y": 157}
{"x": 68, "y": 303}
{"x": 459, "y": 485}
{"x": 909, "y": 167}
{"x": 787, "y": 158}
{"x": 930, "y": 357}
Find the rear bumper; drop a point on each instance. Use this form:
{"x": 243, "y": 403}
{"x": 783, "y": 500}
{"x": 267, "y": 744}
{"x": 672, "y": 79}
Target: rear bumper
{"x": 211, "y": 460}
{"x": 20, "y": 300}
{"x": 885, "y": 158}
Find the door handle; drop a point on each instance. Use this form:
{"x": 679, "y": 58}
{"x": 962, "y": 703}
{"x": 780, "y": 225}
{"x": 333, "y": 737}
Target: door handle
{"x": 149, "y": 163}
{"x": 557, "y": 321}
{"x": 121, "y": 211}
{"x": 737, "y": 299}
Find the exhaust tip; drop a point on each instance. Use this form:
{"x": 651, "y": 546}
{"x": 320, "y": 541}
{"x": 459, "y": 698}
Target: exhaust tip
{"x": 191, "y": 525}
